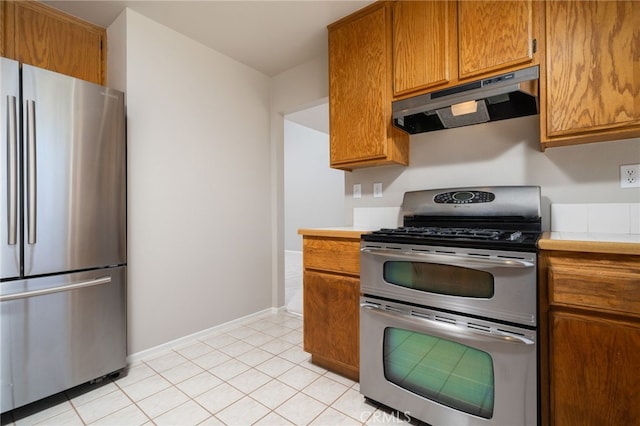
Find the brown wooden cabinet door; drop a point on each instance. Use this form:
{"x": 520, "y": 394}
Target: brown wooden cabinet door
{"x": 360, "y": 93}
{"x": 595, "y": 366}
{"x": 331, "y": 317}
{"x": 592, "y": 70}
{"x": 424, "y": 45}
{"x": 357, "y": 80}
{"x": 44, "y": 37}
{"x": 493, "y": 35}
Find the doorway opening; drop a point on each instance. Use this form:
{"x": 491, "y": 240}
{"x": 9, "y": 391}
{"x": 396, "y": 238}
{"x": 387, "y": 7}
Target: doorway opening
{"x": 313, "y": 192}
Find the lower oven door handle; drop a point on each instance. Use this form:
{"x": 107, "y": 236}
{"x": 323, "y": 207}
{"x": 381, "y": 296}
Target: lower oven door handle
{"x": 446, "y": 328}
{"x": 449, "y": 259}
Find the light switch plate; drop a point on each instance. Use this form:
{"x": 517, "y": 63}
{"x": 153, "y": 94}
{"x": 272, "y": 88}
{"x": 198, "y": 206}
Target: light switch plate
{"x": 377, "y": 190}
{"x": 357, "y": 190}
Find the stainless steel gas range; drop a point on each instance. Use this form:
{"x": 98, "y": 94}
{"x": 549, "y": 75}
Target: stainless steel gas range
{"x": 448, "y": 323}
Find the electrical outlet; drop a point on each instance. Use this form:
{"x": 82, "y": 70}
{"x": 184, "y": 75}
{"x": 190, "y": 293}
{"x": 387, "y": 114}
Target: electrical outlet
{"x": 630, "y": 176}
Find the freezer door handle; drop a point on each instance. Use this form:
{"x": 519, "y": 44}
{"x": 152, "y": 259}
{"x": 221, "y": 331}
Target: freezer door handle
{"x": 89, "y": 283}
{"x": 12, "y": 171}
{"x": 31, "y": 172}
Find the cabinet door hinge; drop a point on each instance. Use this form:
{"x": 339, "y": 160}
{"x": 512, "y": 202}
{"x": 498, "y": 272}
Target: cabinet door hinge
{"x": 534, "y": 45}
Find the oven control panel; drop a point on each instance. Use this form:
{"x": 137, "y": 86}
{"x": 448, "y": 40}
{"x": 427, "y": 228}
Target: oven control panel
{"x": 464, "y": 197}
{"x": 522, "y": 202}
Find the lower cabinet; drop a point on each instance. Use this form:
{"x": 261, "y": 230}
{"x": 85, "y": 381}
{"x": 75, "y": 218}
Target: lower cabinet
{"x": 331, "y": 321}
{"x": 590, "y": 321}
{"x": 331, "y": 303}
{"x": 595, "y": 370}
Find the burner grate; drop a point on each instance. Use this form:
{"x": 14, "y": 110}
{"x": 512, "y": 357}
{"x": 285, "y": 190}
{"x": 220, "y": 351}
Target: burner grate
{"x": 430, "y": 231}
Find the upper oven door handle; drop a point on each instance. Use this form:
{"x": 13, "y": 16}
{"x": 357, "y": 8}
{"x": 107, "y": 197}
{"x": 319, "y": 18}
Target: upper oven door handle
{"x": 448, "y": 259}
{"x": 447, "y": 329}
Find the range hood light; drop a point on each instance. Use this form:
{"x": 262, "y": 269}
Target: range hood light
{"x": 463, "y": 108}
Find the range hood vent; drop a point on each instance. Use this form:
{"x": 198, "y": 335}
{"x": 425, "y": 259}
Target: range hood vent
{"x": 510, "y": 95}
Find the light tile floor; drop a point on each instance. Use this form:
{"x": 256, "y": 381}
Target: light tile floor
{"x": 252, "y": 373}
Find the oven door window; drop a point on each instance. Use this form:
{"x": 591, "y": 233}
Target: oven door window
{"x": 440, "y": 279}
{"x": 441, "y": 370}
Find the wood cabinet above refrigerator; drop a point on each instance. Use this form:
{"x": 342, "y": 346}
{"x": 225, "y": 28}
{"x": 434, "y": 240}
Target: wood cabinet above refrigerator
{"x": 36, "y": 34}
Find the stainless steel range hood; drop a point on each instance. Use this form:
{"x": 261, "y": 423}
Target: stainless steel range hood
{"x": 510, "y": 95}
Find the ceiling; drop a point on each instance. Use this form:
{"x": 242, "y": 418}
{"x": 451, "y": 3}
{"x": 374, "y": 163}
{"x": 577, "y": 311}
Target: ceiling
{"x": 269, "y": 36}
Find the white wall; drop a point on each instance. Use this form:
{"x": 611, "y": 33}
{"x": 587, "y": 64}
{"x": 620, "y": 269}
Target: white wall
{"x": 199, "y": 237}
{"x": 503, "y": 153}
{"x": 313, "y": 192}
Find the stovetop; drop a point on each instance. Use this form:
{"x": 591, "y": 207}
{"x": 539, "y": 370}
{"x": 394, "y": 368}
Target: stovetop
{"x": 458, "y": 237}
{"x": 499, "y": 217}
{"x": 466, "y": 233}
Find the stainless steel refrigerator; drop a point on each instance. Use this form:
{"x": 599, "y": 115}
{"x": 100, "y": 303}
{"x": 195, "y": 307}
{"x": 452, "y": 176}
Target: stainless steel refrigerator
{"x": 63, "y": 233}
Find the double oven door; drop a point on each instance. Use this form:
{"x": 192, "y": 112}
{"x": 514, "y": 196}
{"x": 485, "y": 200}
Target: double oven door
{"x": 488, "y": 283}
{"x": 448, "y": 335}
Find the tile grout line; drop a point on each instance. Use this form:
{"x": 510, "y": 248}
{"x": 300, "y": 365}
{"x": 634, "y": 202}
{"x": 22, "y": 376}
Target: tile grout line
{"x": 174, "y": 385}
{"x": 283, "y": 331}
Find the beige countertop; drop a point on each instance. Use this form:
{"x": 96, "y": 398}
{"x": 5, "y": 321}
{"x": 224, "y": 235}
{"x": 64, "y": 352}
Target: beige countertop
{"x": 566, "y": 241}
{"x": 334, "y": 232}
{"x": 591, "y": 242}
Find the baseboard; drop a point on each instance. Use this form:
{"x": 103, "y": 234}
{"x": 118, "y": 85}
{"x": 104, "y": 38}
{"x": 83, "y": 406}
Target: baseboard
{"x": 138, "y": 356}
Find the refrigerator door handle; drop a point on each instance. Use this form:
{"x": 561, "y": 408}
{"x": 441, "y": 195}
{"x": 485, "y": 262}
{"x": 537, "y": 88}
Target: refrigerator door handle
{"x": 89, "y": 283}
{"x": 31, "y": 172}
{"x": 12, "y": 171}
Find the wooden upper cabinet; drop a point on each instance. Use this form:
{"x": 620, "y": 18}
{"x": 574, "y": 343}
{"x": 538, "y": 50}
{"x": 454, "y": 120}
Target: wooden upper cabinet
{"x": 591, "y": 88}
{"x": 36, "y": 34}
{"x": 360, "y": 93}
{"x": 438, "y": 44}
{"x": 424, "y": 44}
{"x": 494, "y": 35}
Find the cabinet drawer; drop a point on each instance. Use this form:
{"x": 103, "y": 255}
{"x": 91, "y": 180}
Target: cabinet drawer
{"x": 602, "y": 289}
{"x": 332, "y": 254}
